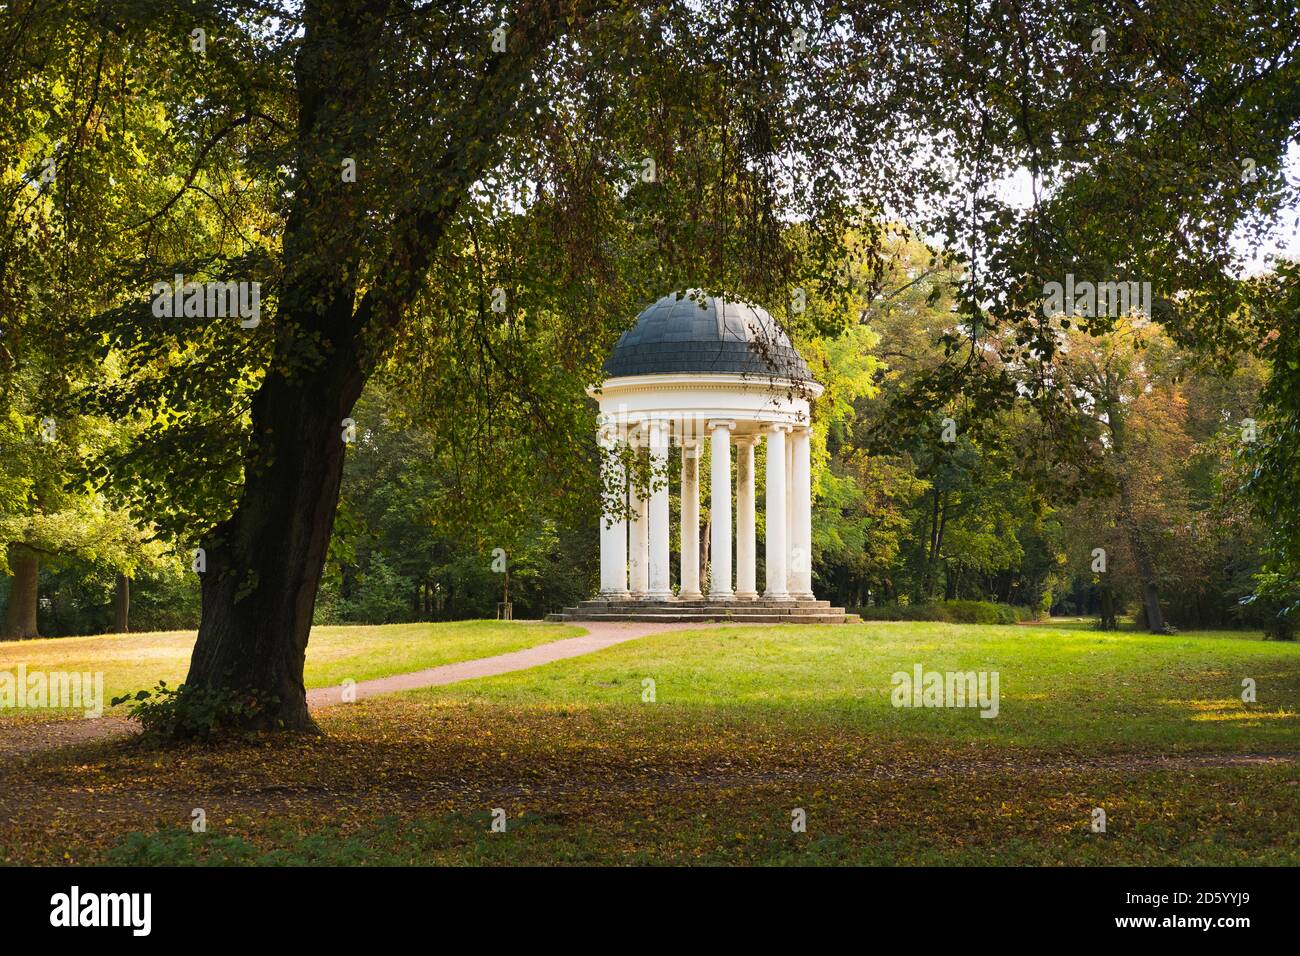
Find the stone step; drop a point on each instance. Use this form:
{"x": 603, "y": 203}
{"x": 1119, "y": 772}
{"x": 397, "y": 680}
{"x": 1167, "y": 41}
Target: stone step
{"x": 718, "y": 611}
{"x": 704, "y": 617}
{"x": 761, "y": 602}
{"x": 723, "y": 611}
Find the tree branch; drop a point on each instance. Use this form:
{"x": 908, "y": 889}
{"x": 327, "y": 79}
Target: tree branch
{"x": 198, "y": 165}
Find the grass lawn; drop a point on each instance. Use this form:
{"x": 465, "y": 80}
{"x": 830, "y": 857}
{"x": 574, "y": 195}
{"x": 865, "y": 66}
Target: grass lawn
{"x": 130, "y": 662}
{"x": 748, "y": 725}
{"x": 1069, "y": 688}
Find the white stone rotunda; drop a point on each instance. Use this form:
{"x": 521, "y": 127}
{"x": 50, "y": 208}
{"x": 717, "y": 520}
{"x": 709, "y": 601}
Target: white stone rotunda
{"x": 696, "y": 370}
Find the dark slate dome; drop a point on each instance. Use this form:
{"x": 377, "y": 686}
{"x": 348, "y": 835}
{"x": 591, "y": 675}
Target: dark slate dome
{"x": 684, "y": 334}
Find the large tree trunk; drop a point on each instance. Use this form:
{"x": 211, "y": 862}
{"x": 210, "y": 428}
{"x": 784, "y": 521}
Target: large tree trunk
{"x": 122, "y": 604}
{"x": 264, "y": 564}
{"x": 20, "y": 616}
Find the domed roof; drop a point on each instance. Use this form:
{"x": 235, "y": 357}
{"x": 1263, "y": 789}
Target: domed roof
{"x": 705, "y": 334}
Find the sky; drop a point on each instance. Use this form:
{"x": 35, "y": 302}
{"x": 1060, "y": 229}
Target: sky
{"x": 1016, "y": 190}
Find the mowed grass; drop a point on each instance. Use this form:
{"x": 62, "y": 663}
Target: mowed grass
{"x": 130, "y": 662}
{"x": 1084, "y": 690}
{"x": 747, "y": 725}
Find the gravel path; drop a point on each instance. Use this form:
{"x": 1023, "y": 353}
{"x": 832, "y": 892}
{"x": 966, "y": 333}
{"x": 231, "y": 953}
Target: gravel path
{"x": 600, "y": 635}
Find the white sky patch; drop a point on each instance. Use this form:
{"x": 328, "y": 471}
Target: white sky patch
{"x": 1017, "y": 191}
{"x": 1284, "y": 238}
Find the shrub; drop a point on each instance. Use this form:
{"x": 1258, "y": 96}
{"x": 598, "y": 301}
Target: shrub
{"x": 195, "y": 713}
{"x": 954, "y": 612}
{"x": 902, "y": 612}
{"x": 975, "y": 612}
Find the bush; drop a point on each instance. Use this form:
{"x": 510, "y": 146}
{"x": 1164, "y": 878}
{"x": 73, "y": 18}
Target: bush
{"x": 903, "y": 612}
{"x": 979, "y": 612}
{"x": 953, "y": 612}
{"x": 194, "y": 713}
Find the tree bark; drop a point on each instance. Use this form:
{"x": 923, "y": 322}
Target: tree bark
{"x": 20, "y": 615}
{"x": 122, "y": 605}
{"x": 934, "y": 546}
{"x": 264, "y": 562}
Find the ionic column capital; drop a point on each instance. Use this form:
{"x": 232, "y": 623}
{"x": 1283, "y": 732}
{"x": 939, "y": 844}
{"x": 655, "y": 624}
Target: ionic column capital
{"x": 714, "y": 424}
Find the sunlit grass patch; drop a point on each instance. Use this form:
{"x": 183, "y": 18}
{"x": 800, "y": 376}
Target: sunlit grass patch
{"x": 1058, "y": 687}
{"x": 130, "y": 662}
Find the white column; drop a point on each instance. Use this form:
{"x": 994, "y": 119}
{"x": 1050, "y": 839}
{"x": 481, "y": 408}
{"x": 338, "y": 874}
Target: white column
{"x": 659, "y": 587}
{"x": 638, "y": 538}
{"x": 720, "y": 510}
{"x": 789, "y": 512}
{"x": 690, "y": 590}
{"x": 801, "y": 494}
{"x": 775, "y": 515}
{"x": 613, "y": 527}
{"x": 746, "y": 543}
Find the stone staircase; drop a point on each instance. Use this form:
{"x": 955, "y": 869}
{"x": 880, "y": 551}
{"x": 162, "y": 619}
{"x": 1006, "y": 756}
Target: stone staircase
{"x": 760, "y": 611}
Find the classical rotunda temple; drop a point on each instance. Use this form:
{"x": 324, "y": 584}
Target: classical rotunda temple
{"x": 695, "y": 369}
